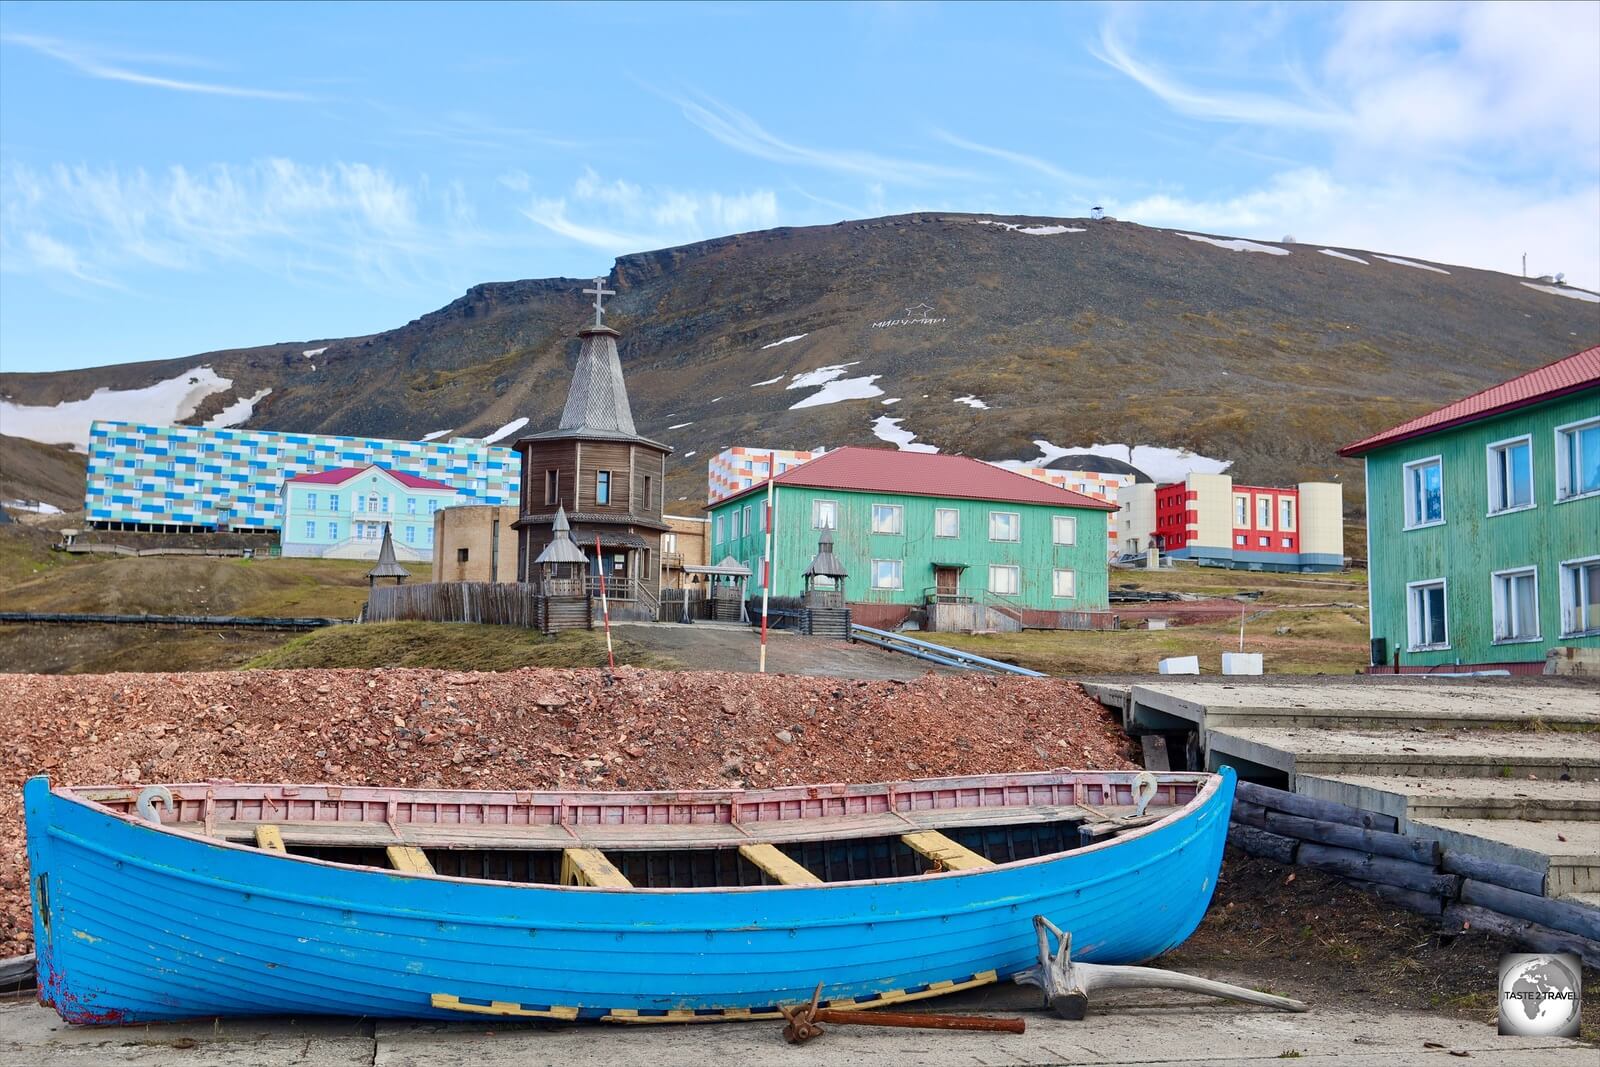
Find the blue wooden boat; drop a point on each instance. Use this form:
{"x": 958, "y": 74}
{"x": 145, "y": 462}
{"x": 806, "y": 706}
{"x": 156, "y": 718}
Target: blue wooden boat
{"x": 222, "y": 899}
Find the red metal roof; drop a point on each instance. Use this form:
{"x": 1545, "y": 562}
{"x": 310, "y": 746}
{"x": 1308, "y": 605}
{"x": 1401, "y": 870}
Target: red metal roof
{"x": 340, "y": 475}
{"x": 887, "y": 470}
{"x": 1574, "y": 373}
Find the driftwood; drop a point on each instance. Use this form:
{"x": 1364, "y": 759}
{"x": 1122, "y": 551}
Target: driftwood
{"x": 1573, "y": 918}
{"x": 1510, "y": 875}
{"x": 1261, "y": 843}
{"x": 1378, "y": 842}
{"x": 1069, "y": 986}
{"x": 1466, "y": 917}
{"x": 1365, "y": 867}
{"x": 1312, "y": 808}
{"x": 1249, "y": 814}
{"x": 1409, "y": 899}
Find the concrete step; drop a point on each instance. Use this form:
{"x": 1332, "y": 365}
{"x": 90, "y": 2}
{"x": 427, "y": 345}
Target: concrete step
{"x": 1214, "y": 705}
{"x": 1461, "y": 754}
{"x": 1568, "y": 852}
{"x": 1457, "y": 798}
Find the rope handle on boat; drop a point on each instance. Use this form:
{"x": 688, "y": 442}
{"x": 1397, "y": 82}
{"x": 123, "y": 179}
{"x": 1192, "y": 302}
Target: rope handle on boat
{"x": 148, "y": 796}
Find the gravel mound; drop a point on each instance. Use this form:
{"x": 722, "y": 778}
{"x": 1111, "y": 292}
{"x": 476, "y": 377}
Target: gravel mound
{"x": 526, "y": 729}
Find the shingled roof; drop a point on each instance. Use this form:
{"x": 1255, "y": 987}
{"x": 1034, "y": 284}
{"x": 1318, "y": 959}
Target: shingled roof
{"x": 887, "y": 470}
{"x": 597, "y": 401}
{"x": 1571, "y": 374}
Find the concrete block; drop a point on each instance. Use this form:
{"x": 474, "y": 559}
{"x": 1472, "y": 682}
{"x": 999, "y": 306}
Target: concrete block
{"x": 1155, "y": 624}
{"x": 1241, "y": 663}
{"x": 1181, "y": 665}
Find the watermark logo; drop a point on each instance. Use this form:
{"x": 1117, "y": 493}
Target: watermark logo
{"x": 1540, "y": 994}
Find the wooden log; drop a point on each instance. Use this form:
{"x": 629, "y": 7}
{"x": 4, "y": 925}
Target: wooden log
{"x": 1344, "y": 835}
{"x": 1249, "y": 814}
{"x": 1312, "y": 808}
{"x": 1523, "y": 934}
{"x": 1409, "y": 899}
{"x": 1510, "y": 875}
{"x": 1155, "y": 752}
{"x": 1572, "y": 917}
{"x": 1260, "y": 843}
{"x": 1365, "y": 867}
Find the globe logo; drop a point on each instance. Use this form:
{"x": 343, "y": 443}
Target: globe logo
{"x": 1540, "y": 994}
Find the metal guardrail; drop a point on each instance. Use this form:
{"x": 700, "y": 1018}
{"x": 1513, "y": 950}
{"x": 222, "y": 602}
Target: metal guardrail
{"x": 210, "y": 622}
{"x": 942, "y": 654}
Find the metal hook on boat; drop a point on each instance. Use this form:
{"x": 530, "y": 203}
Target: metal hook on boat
{"x": 148, "y": 796}
{"x": 1145, "y": 788}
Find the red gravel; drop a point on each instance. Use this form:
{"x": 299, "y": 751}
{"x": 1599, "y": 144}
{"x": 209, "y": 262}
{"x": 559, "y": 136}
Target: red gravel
{"x": 527, "y": 729}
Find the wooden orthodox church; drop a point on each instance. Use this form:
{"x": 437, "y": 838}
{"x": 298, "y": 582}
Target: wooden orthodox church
{"x": 607, "y": 478}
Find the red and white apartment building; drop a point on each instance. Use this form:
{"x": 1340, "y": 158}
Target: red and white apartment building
{"x": 1210, "y": 520}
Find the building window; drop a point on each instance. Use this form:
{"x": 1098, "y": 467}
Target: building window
{"x": 433, "y": 506}
{"x": 427, "y": 532}
{"x": 1424, "y": 487}
{"x": 1516, "y": 605}
{"x": 1511, "y": 475}
{"x": 1065, "y": 583}
{"x": 411, "y": 535}
{"x": 311, "y": 531}
{"x": 1241, "y": 511}
{"x": 333, "y": 502}
{"x": 1425, "y": 616}
{"x": 749, "y": 527}
{"x": 602, "y": 487}
{"x": 461, "y": 555}
{"x": 1064, "y": 530}
{"x": 386, "y": 503}
{"x": 824, "y": 514}
{"x": 1264, "y": 542}
{"x": 733, "y": 526}
{"x": 311, "y": 502}
{"x": 1004, "y": 579}
{"x": 946, "y": 522}
{"x": 649, "y": 492}
{"x": 411, "y": 505}
{"x": 669, "y": 542}
{"x": 1580, "y": 597}
{"x": 333, "y": 531}
{"x": 718, "y": 538}
{"x": 361, "y": 503}
{"x": 1239, "y": 539}
{"x": 888, "y": 574}
{"x": 1288, "y": 542}
{"x": 1286, "y": 513}
{"x": 1577, "y": 459}
{"x": 886, "y": 518}
{"x": 1005, "y": 526}
{"x": 1263, "y": 513}
{"x": 552, "y": 486}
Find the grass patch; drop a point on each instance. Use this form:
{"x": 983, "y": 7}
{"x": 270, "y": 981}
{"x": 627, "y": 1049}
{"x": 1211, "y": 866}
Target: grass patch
{"x": 452, "y": 646}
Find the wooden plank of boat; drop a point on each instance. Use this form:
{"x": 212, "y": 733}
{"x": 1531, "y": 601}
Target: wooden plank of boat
{"x": 948, "y": 854}
{"x": 588, "y": 866}
{"x": 409, "y": 858}
{"x": 778, "y": 866}
{"x": 270, "y": 838}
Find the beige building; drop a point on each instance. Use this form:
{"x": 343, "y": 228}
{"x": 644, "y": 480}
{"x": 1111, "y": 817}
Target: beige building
{"x": 684, "y": 545}
{"x": 475, "y": 543}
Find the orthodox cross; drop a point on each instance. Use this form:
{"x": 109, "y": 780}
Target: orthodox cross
{"x": 600, "y": 292}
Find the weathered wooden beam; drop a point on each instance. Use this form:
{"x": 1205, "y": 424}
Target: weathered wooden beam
{"x": 1510, "y": 875}
{"x": 589, "y": 866}
{"x": 1312, "y": 808}
{"x": 778, "y": 866}
{"x": 1249, "y": 814}
{"x": 1261, "y": 843}
{"x": 1467, "y": 917}
{"x": 952, "y": 855}
{"x": 1346, "y": 836}
{"x": 1155, "y": 752}
{"x": 1409, "y": 899}
{"x": 1365, "y": 867}
{"x": 1556, "y": 914}
{"x": 270, "y": 838}
{"x": 409, "y": 859}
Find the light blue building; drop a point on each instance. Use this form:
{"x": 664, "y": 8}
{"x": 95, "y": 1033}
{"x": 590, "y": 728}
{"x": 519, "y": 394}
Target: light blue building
{"x": 194, "y": 478}
{"x": 340, "y": 514}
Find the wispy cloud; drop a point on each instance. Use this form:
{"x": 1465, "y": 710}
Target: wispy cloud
{"x": 626, "y": 217}
{"x": 742, "y": 133}
{"x": 1021, "y": 159}
{"x": 99, "y": 63}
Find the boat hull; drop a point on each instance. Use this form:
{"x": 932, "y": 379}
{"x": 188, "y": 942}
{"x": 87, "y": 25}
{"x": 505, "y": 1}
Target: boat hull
{"x": 133, "y": 923}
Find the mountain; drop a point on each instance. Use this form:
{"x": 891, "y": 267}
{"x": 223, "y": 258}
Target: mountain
{"x": 988, "y": 333}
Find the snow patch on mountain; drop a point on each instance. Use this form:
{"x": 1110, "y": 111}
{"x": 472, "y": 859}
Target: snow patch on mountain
{"x": 843, "y": 389}
{"x": 435, "y": 435}
{"x": 972, "y": 402}
{"x": 1237, "y": 244}
{"x": 507, "y": 430}
{"x": 1032, "y": 231}
{"x": 67, "y": 423}
{"x": 1335, "y": 253}
{"x": 237, "y": 412}
{"x": 786, "y": 340}
{"x": 1412, "y": 263}
{"x": 886, "y": 429}
{"x": 1563, "y": 290}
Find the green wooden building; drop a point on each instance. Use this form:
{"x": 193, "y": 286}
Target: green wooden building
{"x": 915, "y": 529}
{"x": 1483, "y": 525}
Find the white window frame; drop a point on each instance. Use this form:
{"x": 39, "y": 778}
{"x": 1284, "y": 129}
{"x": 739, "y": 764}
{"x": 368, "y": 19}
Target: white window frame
{"x": 1563, "y": 490}
{"x": 816, "y": 514}
{"x": 1491, "y": 457}
{"x": 1071, "y": 522}
{"x": 1286, "y": 510}
{"x": 333, "y": 502}
{"x": 411, "y": 505}
{"x": 718, "y": 539}
{"x": 1072, "y": 583}
{"x": 1263, "y": 541}
{"x": 1016, "y": 574}
{"x": 1241, "y": 510}
{"x": 899, "y": 513}
{"x": 311, "y": 529}
{"x": 1287, "y": 542}
{"x": 735, "y": 532}
{"x": 1569, "y": 605}
{"x": 1240, "y": 539}
{"x": 1498, "y": 606}
{"x": 1405, "y": 493}
{"x": 749, "y": 527}
{"x": 1413, "y": 627}
{"x": 411, "y": 535}
{"x": 955, "y": 513}
{"x": 1016, "y": 526}
{"x": 333, "y": 531}
{"x": 1263, "y": 511}
{"x": 900, "y": 574}
{"x": 311, "y": 502}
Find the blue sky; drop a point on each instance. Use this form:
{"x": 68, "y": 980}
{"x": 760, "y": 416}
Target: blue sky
{"x": 175, "y": 179}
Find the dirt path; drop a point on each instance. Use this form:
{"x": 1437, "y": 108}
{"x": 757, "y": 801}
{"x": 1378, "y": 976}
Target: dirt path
{"x": 710, "y": 647}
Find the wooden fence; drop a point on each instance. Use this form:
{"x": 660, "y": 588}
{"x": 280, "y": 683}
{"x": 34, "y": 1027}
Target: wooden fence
{"x": 496, "y": 603}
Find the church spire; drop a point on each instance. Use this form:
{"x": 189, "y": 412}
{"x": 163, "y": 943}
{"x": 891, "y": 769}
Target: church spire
{"x": 597, "y": 401}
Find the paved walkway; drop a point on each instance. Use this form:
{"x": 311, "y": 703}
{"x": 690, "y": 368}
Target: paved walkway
{"x": 1167, "y": 1028}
